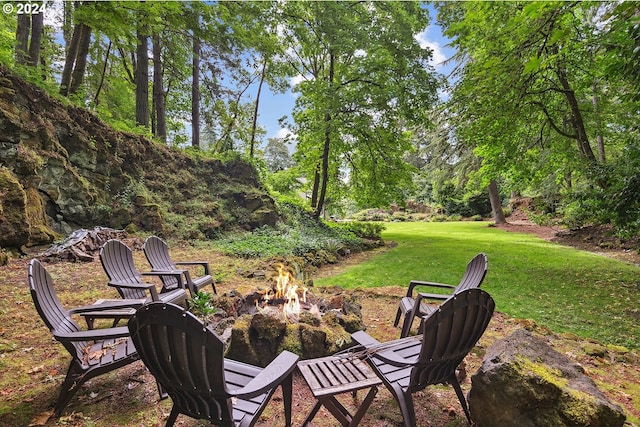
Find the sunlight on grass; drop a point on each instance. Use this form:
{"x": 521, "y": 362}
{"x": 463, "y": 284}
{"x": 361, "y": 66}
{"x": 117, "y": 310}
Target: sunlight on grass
{"x": 563, "y": 288}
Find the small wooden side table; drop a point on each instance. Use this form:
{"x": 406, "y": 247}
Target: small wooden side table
{"x": 333, "y": 375}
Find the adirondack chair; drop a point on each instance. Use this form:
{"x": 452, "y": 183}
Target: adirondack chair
{"x": 472, "y": 278}
{"x": 157, "y": 253}
{"x": 187, "y": 360}
{"x": 410, "y": 364}
{"x": 117, "y": 261}
{"x": 93, "y": 352}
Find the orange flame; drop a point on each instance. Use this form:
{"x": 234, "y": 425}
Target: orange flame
{"x": 288, "y": 290}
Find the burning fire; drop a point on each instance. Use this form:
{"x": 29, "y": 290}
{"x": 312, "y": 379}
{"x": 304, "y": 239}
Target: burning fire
{"x": 287, "y": 289}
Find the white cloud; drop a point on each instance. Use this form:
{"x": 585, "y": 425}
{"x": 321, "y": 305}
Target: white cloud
{"x": 285, "y": 133}
{"x": 439, "y": 56}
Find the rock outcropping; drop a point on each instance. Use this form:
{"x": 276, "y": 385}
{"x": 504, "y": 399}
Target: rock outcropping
{"x": 524, "y": 382}
{"x": 62, "y": 168}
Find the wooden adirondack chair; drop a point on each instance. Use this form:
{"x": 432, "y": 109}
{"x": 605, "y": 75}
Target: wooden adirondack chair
{"x": 117, "y": 261}
{"x": 472, "y": 278}
{"x": 157, "y": 253}
{"x": 187, "y": 360}
{"x": 93, "y": 352}
{"x": 410, "y": 364}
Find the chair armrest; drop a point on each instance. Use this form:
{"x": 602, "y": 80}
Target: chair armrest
{"x": 108, "y": 305}
{"x": 281, "y": 367}
{"x": 414, "y": 283}
{"x": 204, "y": 264}
{"x": 175, "y": 273}
{"x": 384, "y": 353}
{"x": 439, "y": 297}
{"x": 364, "y": 339}
{"x": 144, "y": 286}
{"x": 93, "y": 334}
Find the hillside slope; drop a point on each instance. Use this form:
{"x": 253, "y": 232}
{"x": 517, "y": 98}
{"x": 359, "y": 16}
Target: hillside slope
{"x": 62, "y": 168}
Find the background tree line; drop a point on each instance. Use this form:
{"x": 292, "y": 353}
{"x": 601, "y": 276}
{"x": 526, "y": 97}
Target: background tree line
{"x": 543, "y": 100}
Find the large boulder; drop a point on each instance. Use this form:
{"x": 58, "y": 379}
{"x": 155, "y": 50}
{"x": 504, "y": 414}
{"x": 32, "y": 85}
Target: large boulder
{"x": 524, "y": 382}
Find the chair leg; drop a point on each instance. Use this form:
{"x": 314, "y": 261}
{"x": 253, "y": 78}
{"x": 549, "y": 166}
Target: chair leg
{"x": 172, "y": 417}
{"x": 398, "y": 314}
{"x": 72, "y": 382}
{"x": 287, "y": 391}
{"x": 463, "y": 402}
{"x": 405, "y": 402}
{"x": 406, "y": 325}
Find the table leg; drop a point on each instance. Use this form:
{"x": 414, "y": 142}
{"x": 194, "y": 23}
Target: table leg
{"x": 312, "y": 414}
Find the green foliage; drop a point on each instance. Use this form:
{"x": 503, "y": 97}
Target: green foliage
{"x": 202, "y": 305}
{"x": 366, "y": 230}
{"x": 300, "y": 234}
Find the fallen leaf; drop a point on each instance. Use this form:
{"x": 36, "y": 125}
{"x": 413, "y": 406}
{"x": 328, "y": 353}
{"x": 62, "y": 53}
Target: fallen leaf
{"x": 41, "y": 419}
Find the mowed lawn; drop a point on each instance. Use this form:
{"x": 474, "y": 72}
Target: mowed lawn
{"x": 565, "y": 289}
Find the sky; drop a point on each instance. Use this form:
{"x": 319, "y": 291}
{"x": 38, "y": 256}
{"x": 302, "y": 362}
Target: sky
{"x": 275, "y": 105}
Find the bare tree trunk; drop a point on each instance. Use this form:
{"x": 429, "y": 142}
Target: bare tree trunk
{"x": 158, "y": 91}
{"x": 22, "y": 38}
{"x": 599, "y": 137}
{"x": 37, "y": 26}
{"x": 496, "y": 205}
{"x": 255, "y": 111}
{"x": 72, "y": 52}
{"x": 316, "y": 186}
{"x": 327, "y": 144}
{"x": 77, "y": 77}
{"x": 141, "y": 77}
{"x": 96, "y": 98}
{"x": 195, "y": 94}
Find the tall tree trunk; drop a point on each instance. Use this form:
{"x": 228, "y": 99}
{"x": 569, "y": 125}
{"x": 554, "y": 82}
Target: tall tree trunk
{"x": 141, "y": 77}
{"x": 577, "y": 121}
{"x": 96, "y": 98}
{"x": 496, "y": 205}
{"x": 195, "y": 94}
{"x": 599, "y": 137}
{"x": 72, "y": 52}
{"x": 158, "y": 91}
{"x": 37, "y": 27}
{"x": 315, "y": 188}
{"x": 77, "y": 77}
{"x": 22, "y": 38}
{"x": 255, "y": 111}
{"x": 327, "y": 145}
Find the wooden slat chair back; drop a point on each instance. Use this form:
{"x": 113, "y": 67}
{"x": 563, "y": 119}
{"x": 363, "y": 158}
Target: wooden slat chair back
{"x": 413, "y": 363}
{"x": 473, "y": 277}
{"x": 93, "y": 352}
{"x": 157, "y": 253}
{"x": 117, "y": 262}
{"x": 187, "y": 360}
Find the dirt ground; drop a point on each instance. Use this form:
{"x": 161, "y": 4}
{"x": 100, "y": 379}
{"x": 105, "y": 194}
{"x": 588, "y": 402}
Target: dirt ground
{"x": 617, "y": 375}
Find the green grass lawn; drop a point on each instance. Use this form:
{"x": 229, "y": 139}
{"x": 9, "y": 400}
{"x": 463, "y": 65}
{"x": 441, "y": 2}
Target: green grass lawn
{"x": 565, "y": 289}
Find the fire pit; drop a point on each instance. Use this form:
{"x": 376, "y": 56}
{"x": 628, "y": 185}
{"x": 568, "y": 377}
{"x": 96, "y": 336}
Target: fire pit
{"x": 286, "y": 316}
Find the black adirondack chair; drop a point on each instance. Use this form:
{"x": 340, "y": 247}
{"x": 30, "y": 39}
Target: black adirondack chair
{"x": 187, "y": 360}
{"x": 117, "y": 261}
{"x": 93, "y": 352}
{"x": 472, "y": 278}
{"x": 157, "y": 253}
{"x": 410, "y": 364}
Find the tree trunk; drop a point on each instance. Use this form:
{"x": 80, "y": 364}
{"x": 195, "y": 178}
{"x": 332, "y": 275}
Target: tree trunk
{"x": 22, "y": 38}
{"x": 327, "y": 145}
{"x": 77, "y": 77}
{"x": 158, "y": 91}
{"x": 72, "y": 52}
{"x": 37, "y": 25}
{"x": 577, "y": 121}
{"x": 96, "y": 98}
{"x": 141, "y": 77}
{"x": 599, "y": 137}
{"x": 496, "y": 205}
{"x": 255, "y": 111}
{"x": 195, "y": 94}
{"x": 316, "y": 186}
